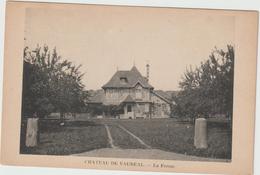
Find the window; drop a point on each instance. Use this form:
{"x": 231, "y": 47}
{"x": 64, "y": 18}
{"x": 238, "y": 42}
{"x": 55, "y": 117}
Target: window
{"x": 143, "y": 94}
{"x": 120, "y": 91}
{"x": 129, "y": 108}
{"x": 138, "y": 93}
{"x": 123, "y": 80}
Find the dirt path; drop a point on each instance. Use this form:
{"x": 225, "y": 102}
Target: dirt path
{"x": 110, "y": 139}
{"x": 134, "y": 136}
{"x": 148, "y": 153}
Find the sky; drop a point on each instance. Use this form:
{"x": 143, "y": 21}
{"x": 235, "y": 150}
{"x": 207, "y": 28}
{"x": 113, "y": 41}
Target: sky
{"x": 105, "y": 39}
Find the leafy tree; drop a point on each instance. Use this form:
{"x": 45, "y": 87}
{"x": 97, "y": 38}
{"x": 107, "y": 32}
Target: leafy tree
{"x": 208, "y": 89}
{"x": 50, "y": 83}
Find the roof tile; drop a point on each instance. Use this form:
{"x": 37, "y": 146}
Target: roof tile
{"x": 133, "y": 77}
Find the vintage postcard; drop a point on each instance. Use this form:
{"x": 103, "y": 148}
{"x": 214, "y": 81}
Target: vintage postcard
{"x": 129, "y": 88}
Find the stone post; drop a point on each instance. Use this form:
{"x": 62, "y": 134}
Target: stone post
{"x": 200, "y": 136}
{"x": 31, "y": 132}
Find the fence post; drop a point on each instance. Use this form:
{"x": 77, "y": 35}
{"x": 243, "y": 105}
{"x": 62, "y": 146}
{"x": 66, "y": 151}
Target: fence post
{"x": 31, "y": 132}
{"x": 200, "y": 136}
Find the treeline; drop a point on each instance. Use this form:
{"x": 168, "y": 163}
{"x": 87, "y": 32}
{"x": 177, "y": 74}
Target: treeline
{"x": 50, "y": 84}
{"x": 207, "y": 90}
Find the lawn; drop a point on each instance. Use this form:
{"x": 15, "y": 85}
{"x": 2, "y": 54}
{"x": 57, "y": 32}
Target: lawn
{"x": 170, "y": 135}
{"x": 164, "y": 134}
{"x": 123, "y": 139}
{"x": 74, "y": 137}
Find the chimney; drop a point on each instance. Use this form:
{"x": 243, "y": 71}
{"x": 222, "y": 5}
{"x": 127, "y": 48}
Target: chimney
{"x": 147, "y": 71}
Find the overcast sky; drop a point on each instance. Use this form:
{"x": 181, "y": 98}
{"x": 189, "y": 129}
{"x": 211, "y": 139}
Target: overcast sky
{"x": 103, "y": 39}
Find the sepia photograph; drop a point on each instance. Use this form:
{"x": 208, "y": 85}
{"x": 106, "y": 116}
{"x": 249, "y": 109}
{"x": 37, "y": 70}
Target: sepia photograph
{"x": 149, "y": 88}
{"x": 129, "y": 87}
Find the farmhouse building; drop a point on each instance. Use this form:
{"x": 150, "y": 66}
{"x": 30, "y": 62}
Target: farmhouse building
{"x": 133, "y": 94}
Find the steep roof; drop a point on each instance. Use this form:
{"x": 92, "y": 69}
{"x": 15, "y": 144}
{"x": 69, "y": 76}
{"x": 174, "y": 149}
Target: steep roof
{"x": 163, "y": 94}
{"x": 161, "y": 97}
{"x": 131, "y": 78}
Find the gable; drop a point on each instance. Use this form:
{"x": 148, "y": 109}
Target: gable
{"x": 127, "y": 79}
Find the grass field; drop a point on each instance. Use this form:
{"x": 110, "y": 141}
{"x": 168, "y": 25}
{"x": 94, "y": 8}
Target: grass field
{"x": 122, "y": 139}
{"x": 164, "y": 134}
{"x": 74, "y": 137}
{"x": 169, "y": 135}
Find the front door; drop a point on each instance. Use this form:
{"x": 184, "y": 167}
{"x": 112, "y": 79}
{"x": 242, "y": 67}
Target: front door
{"x": 129, "y": 109}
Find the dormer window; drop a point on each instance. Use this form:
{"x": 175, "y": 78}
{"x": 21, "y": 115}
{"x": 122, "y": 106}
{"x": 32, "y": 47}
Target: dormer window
{"x": 123, "y": 80}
